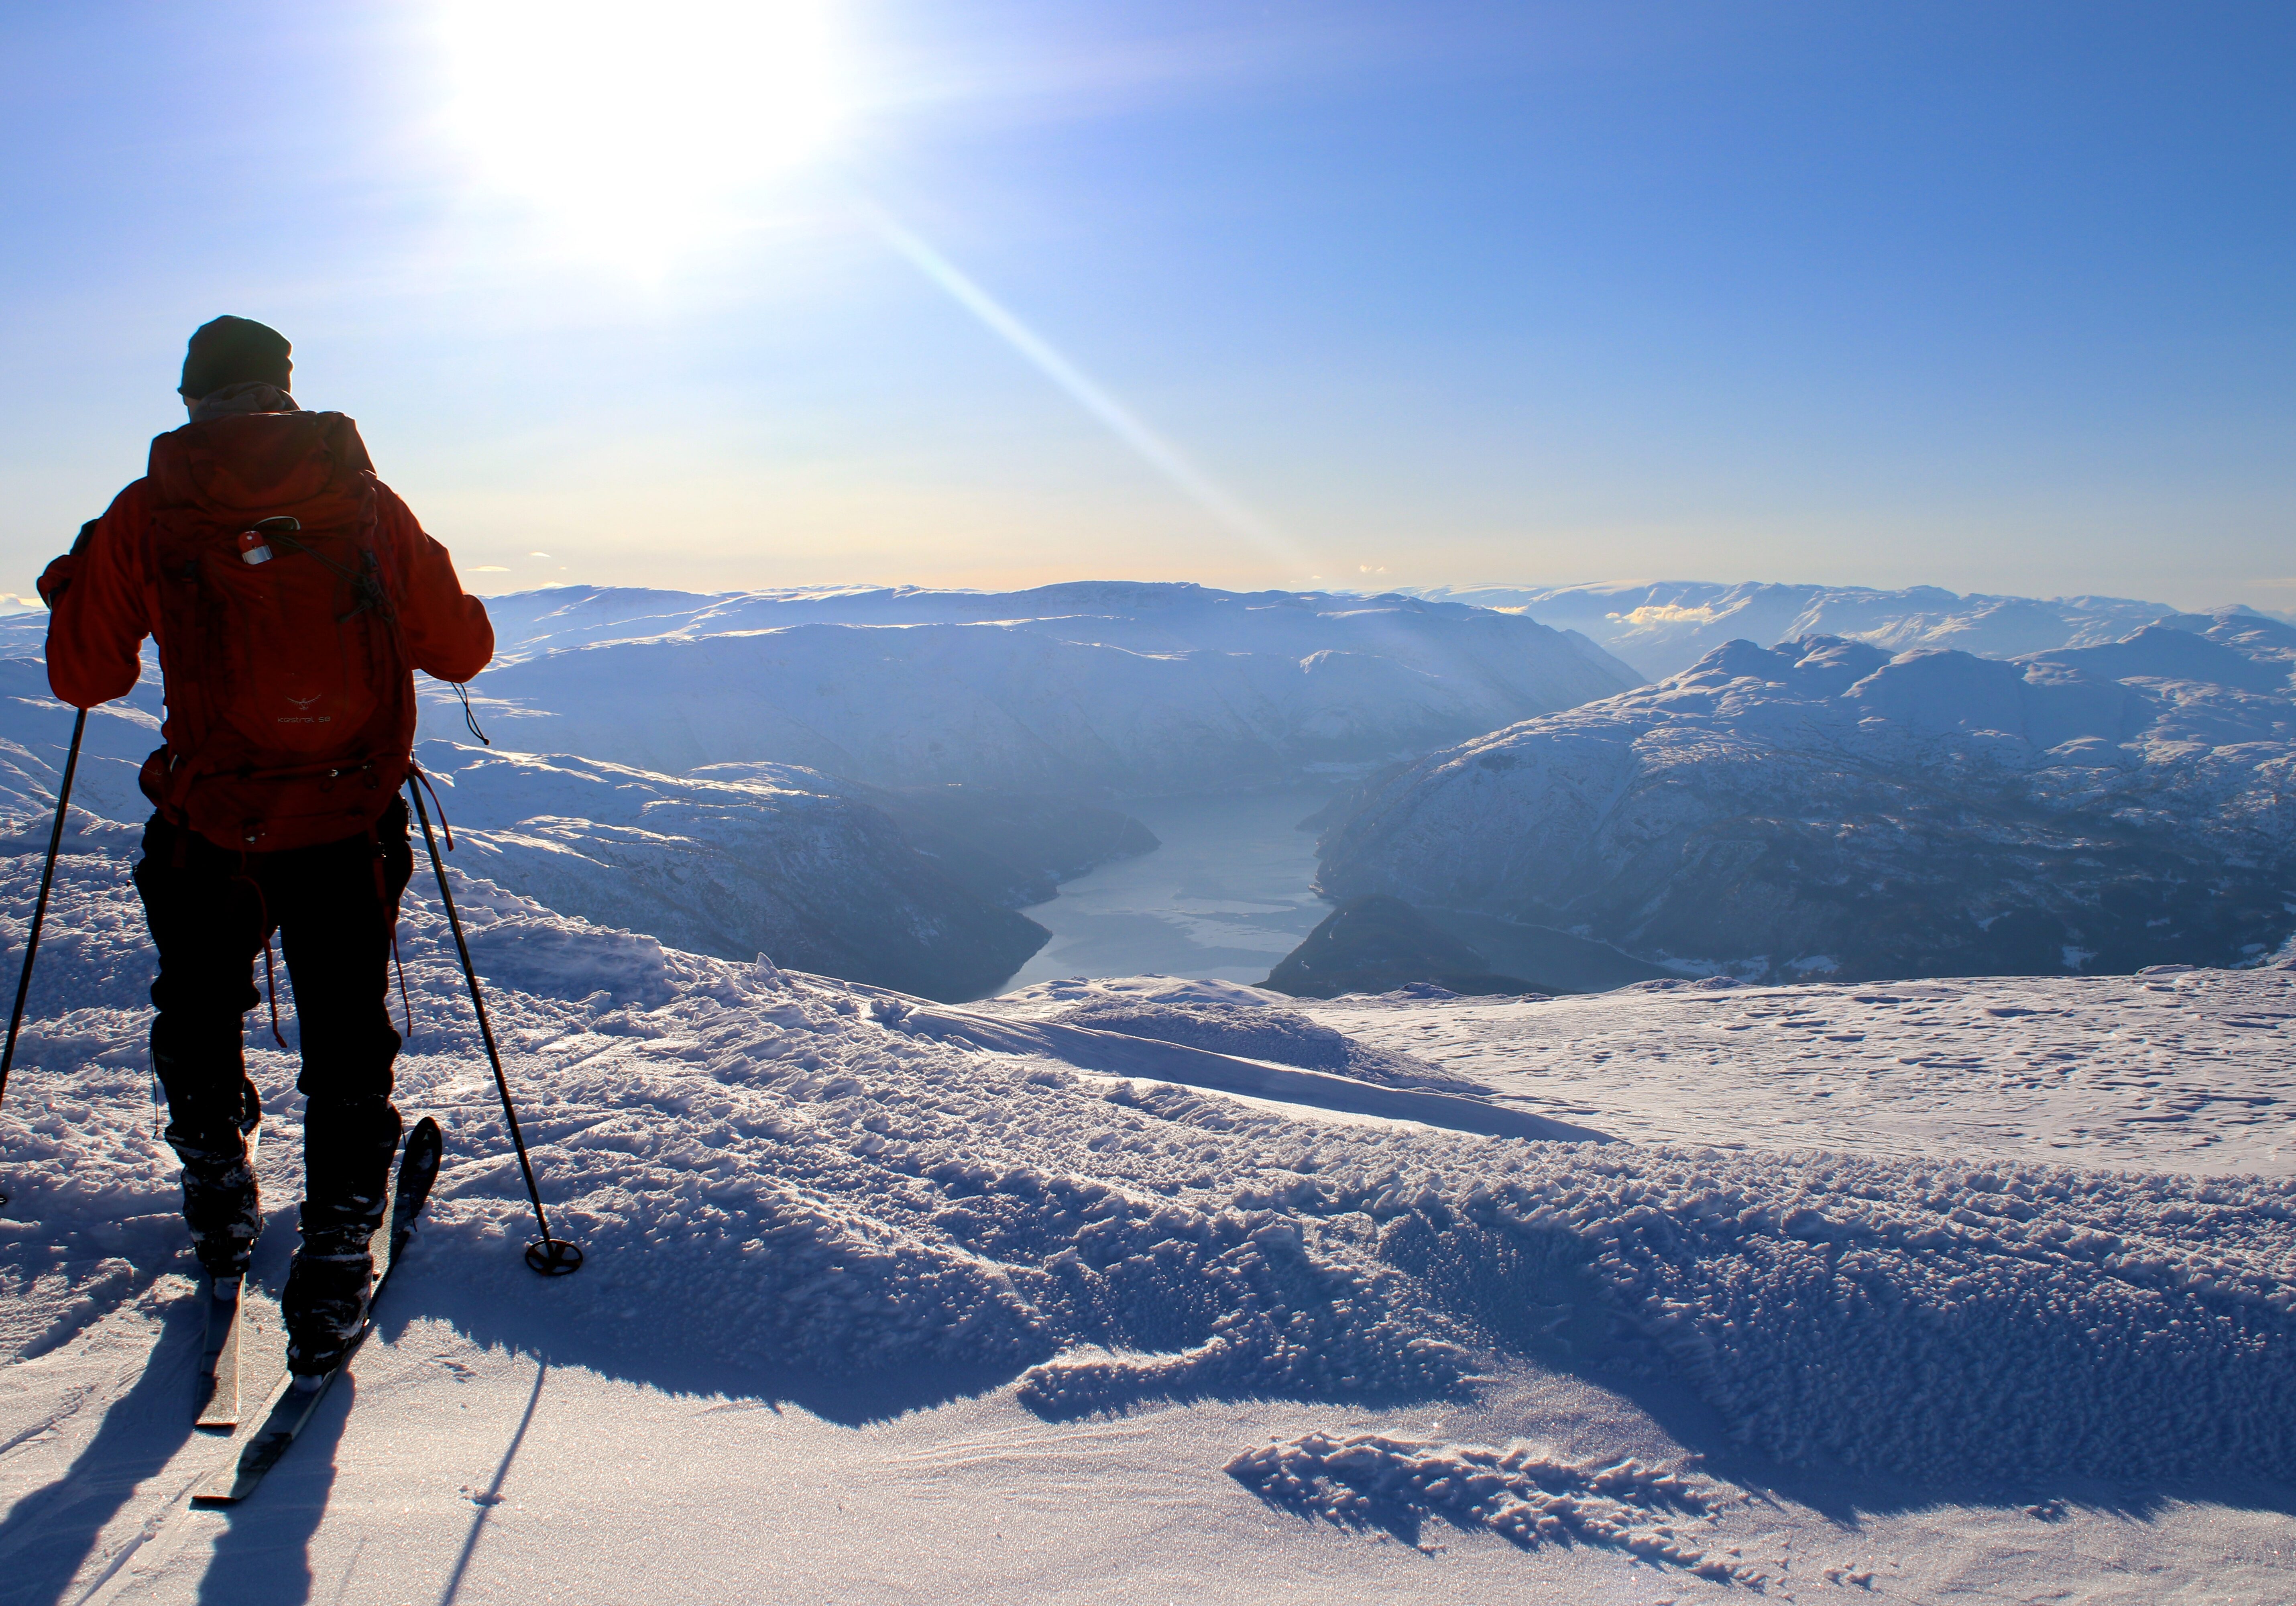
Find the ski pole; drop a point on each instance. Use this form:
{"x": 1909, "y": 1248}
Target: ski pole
{"x": 40, "y": 907}
{"x": 551, "y": 1257}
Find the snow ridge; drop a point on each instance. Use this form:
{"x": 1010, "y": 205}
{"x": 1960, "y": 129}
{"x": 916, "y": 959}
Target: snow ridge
{"x": 1253, "y": 1030}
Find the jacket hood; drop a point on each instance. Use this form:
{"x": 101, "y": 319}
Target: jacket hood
{"x": 258, "y": 463}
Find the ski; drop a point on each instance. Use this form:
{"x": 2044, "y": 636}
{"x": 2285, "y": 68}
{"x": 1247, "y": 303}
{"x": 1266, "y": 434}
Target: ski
{"x": 290, "y": 1410}
{"x": 218, "y": 1406}
{"x": 219, "y": 1390}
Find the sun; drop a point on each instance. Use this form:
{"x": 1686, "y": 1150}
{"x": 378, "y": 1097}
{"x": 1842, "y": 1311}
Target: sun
{"x": 640, "y": 128}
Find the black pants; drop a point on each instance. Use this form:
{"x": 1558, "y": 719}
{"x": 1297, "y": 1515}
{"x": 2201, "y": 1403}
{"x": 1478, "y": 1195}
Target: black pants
{"x": 334, "y": 906}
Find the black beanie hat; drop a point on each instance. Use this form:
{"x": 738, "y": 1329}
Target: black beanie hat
{"x": 227, "y": 350}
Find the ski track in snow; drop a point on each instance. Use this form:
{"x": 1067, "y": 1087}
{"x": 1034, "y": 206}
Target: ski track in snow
{"x": 773, "y": 1176}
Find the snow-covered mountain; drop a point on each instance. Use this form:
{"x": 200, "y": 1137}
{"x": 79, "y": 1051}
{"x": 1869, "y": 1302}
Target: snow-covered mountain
{"x": 911, "y": 891}
{"x": 780, "y": 861}
{"x": 1663, "y": 628}
{"x": 36, "y": 734}
{"x": 1821, "y": 808}
{"x": 1142, "y": 616}
{"x": 1126, "y": 686}
{"x": 881, "y": 776}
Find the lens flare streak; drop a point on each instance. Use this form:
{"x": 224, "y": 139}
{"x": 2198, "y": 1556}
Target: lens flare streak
{"x": 1151, "y": 448}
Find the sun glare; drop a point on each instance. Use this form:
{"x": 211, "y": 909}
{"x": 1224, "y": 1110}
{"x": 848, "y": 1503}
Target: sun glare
{"x": 639, "y": 128}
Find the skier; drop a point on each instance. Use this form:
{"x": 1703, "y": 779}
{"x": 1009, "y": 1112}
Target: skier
{"x": 291, "y": 595}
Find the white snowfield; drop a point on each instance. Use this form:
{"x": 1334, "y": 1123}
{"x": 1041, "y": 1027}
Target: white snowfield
{"x": 2191, "y": 1069}
{"x": 1664, "y": 626}
{"x": 883, "y": 1306}
{"x": 1131, "y": 687}
{"x": 1824, "y": 808}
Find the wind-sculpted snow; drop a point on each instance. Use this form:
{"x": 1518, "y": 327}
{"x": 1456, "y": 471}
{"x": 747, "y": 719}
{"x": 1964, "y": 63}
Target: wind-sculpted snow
{"x": 1530, "y": 1497}
{"x": 1821, "y": 809}
{"x": 1665, "y": 627}
{"x": 1131, "y": 686}
{"x": 775, "y": 1170}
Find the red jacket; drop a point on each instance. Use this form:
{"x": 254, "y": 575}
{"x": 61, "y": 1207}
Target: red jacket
{"x": 283, "y": 731}
{"x": 101, "y": 617}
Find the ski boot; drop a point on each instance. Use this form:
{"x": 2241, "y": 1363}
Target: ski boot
{"x": 329, "y": 1286}
{"x": 222, "y": 1205}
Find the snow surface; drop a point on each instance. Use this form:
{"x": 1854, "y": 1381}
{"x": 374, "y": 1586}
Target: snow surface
{"x": 1253, "y": 1027}
{"x": 874, "y": 1311}
{"x": 2190, "y": 1069}
{"x": 1160, "y": 1289}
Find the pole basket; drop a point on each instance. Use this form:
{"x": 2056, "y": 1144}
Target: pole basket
{"x": 553, "y": 1256}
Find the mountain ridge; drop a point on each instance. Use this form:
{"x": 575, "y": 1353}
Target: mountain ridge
{"x": 1825, "y": 809}
{"x": 1663, "y": 627}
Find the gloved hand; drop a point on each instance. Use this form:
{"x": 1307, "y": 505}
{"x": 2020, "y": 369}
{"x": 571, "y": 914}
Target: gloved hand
{"x": 59, "y": 574}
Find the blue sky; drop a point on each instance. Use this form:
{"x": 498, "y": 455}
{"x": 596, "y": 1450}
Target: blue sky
{"x": 1995, "y": 297}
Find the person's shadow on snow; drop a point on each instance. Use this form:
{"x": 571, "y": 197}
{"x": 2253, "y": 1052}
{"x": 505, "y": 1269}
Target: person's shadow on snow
{"x": 263, "y": 1556}
{"x": 47, "y": 1535}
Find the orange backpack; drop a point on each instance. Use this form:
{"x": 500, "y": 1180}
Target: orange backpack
{"x": 290, "y": 698}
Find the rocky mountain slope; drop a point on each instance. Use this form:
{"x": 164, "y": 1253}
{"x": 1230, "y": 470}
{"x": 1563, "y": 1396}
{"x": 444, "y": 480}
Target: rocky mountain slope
{"x": 780, "y": 862}
{"x": 1376, "y": 944}
{"x": 1124, "y": 686}
{"x": 1821, "y": 808}
{"x": 917, "y": 891}
{"x": 1664, "y": 626}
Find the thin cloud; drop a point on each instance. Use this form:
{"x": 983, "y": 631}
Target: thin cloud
{"x": 490, "y": 569}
